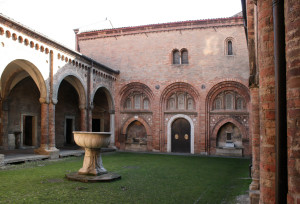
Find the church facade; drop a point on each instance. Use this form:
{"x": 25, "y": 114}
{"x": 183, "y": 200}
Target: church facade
{"x": 183, "y": 86}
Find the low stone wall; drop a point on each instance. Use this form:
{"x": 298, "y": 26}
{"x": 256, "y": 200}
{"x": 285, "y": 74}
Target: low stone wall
{"x": 235, "y": 152}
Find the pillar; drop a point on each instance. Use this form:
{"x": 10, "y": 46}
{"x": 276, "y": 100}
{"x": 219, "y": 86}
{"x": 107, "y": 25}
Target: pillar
{"x": 112, "y": 128}
{"x": 44, "y": 124}
{"x": 83, "y": 118}
{"x": 292, "y": 39}
{"x": 52, "y": 125}
{"x": 267, "y": 101}
{"x": 90, "y": 118}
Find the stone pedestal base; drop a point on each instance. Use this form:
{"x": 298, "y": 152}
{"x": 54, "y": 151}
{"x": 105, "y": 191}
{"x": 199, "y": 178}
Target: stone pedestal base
{"x": 1, "y": 159}
{"x": 53, "y": 152}
{"x": 254, "y": 185}
{"x": 89, "y": 178}
{"x": 254, "y": 197}
{"x": 92, "y": 163}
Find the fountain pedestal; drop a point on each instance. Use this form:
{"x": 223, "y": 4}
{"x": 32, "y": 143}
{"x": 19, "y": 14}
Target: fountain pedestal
{"x": 92, "y": 169}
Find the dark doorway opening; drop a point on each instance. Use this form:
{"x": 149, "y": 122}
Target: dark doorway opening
{"x": 27, "y": 130}
{"x": 69, "y": 131}
{"x": 181, "y": 136}
{"x": 96, "y": 125}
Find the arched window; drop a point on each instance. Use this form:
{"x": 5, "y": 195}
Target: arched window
{"x": 229, "y": 47}
{"x": 171, "y": 104}
{"x": 184, "y": 57}
{"x": 146, "y": 104}
{"x": 176, "y": 57}
{"x": 218, "y": 104}
{"x": 190, "y": 104}
{"x": 239, "y": 104}
{"x": 181, "y": 104}
{"x": 137, "y": 102}
{"x": 128, "y": 104}
{"x": 228, "y": 101}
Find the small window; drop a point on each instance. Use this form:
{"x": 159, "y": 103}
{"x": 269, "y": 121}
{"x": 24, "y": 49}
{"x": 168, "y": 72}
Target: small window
{"x": 218, "y": 104}
{"x": 146, "y": 104}
{"x": 137, "y": 102}
{"x": 239, "y": 104}
{"x": 229, "y": 47}
{"x": 171, "y": 104}
{"x": 128, "y": 104}
{"x": 176, "y": 57}
{"x": 228, "y": 101}
{"x": 184, "y": 57}
{"x": 190, "y": 104}
{"x": 228, "y": 136}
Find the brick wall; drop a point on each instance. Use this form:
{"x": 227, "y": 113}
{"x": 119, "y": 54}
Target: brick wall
{"x": 144, "y": 55}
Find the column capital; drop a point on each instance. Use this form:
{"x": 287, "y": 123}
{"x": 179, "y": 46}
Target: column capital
{"x": 54, "y": 101}
{"x": 43, "y": 100}
{"x": 82, "y": 107}
{"x": 112, "y": 111}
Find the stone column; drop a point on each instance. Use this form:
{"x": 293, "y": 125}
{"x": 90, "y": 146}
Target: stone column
{"x": 83, "y": 118}
{"x": 112, "y": 128}
{"x": 53, "y": 152}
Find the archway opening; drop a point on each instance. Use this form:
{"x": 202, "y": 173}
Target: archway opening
{"x": 23, "y": 111}
{"x": 67, "y": 114}
{"x": 101, "y": 115}
{"x": 136, "y": 137}
{"x": 181, "y": 136}
{"x": 229, "y": 140}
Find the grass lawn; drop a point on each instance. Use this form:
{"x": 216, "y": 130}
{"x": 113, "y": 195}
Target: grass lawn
{"x": 146, "y": 178}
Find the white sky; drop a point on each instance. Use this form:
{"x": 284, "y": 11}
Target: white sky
{"x": 57, "y": 18}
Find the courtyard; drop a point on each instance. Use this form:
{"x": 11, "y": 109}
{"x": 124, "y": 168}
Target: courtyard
{"x": 146, "y": 178}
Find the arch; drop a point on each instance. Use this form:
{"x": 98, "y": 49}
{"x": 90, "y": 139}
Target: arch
{"x": 240, "y": 88}
{"x": 108, "y": 94}
{"x": 178, "y": 86}
{"x": 128, "y": 89}
{"x": 172, "y": 119}
{"x": 17, "y": 70}
{"x": 141, "y": 120}
{"x": 75, "y": 80}
{"x": 229, "y": 48}
{"x": 229, "y": 120}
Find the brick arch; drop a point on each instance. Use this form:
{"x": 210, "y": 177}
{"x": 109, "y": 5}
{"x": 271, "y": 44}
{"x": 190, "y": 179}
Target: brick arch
{"x": 224, "y": 121}
{"x": 141, "y": 120}
{"x": 240, "y": 88}
{"x": 135, "y": 86}
{"x": 178, "y": 86}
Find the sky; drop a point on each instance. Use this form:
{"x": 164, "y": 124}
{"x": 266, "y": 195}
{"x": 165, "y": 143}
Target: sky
{"x": 57, "y": 18}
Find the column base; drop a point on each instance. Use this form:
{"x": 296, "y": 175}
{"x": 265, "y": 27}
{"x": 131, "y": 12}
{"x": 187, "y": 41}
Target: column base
{"x": 254, "y": 185}
{"x": 52, "y": 151}
{"x": 254, "y": 196}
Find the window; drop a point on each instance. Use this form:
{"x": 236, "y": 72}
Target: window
{"x": 128, "y": 104}
{"x": 180, "y": 101}
{"x": 146, "y": 104}
{"x": 228, "y": 136}
{"x": 176, "y": 57}
{"x": 239, "y": 104}
{"x": 184, "y": 57}
{"x": 218, "y": 104}
{"x": 137, "y": 102}
{"x": 229, "y": 47}
{"x": 180, "y": 57}
{"x": 228, "y": 101}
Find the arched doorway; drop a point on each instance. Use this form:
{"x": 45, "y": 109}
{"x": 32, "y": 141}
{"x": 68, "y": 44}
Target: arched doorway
{"x": 181, "y": 136}
{"x": 70, "y": 97}
{"x": 136, "y": 137}
{"x": 101, "y": 114}
{"x": 22, "y": 89}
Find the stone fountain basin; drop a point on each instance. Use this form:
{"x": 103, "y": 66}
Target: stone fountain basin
{"x": 92, "y": 140}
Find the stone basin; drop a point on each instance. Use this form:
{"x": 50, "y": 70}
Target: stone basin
{"x": 92, "y": 142}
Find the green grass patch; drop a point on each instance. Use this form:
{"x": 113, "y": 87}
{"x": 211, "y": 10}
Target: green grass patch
{"x": 146, "y": 178}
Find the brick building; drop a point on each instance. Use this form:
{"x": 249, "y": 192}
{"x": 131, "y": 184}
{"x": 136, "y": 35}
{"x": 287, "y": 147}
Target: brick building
{"x": 183, "y": 86}
{"x": 273, "y": 30}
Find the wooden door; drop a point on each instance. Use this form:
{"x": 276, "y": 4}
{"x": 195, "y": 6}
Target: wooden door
{"x": 181, "y": 136}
